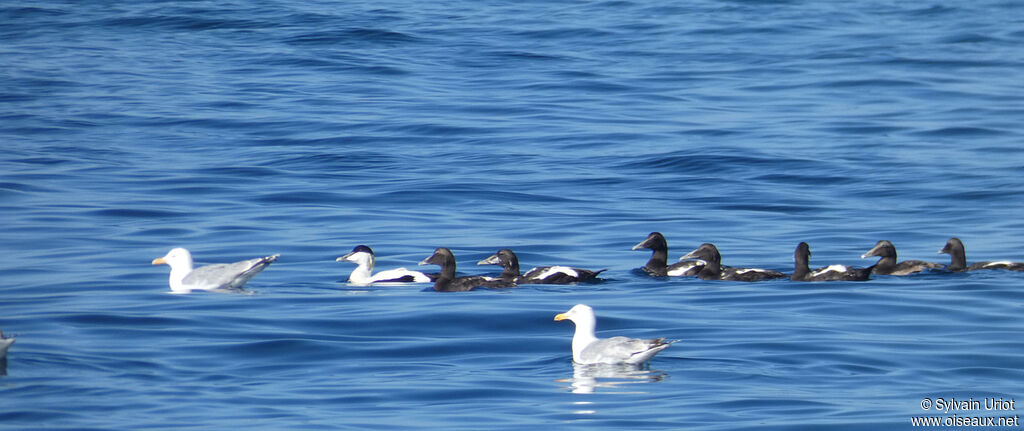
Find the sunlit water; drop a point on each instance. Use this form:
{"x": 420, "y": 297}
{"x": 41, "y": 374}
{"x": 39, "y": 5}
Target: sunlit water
{"x": 567, "y": 131}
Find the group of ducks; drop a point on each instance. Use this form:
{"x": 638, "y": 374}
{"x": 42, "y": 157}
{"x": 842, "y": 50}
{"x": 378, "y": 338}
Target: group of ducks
{"x": 704, "y": 262}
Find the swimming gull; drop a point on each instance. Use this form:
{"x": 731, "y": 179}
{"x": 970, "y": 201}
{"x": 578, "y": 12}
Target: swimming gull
{"x": 221, "y": 276}
{"x": 588, "y": 349}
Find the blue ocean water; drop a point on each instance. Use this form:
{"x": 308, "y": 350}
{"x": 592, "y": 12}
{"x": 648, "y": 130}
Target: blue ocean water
{"x": 567, "y": 131}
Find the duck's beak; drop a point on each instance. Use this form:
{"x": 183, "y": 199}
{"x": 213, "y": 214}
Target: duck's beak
{"x": 492, "y": 260}
{"x": 343, "y": 258}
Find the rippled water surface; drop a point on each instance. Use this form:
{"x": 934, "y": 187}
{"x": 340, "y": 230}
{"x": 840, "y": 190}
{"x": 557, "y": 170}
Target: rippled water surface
{"x": 567, "y": 131}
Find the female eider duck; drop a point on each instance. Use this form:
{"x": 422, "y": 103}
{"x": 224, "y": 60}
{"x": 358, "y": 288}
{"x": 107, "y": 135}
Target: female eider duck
{"x": 802, "y": 270}
{"x": 217, "y": 277}
{"x": 448, "y": 282}
{"x": 958, "y": 259}
{"x": 588, "y": 349}
{"x": 713, "y": 269}
{"x": 887, "y": 265}
{"x": 540, "y": 275}
{"x": 658, "y": 265}
{"x": 363, "y": 275}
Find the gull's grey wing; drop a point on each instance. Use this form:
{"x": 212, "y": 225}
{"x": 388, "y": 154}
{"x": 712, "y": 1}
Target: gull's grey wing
{"x": 227, "y": 275}
{"x": 623, "y": 349}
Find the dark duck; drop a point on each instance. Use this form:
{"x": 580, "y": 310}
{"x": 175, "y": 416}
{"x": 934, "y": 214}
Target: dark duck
{"x": 658, "y": 265}
{"x": 448, "y": 282}
{"x": 803, "y": 272}
{"x": 958, "y": 259}
{"x": 540, "y": 275}
{"x": 713, "y": 269}
{"x": 887, "y": 264}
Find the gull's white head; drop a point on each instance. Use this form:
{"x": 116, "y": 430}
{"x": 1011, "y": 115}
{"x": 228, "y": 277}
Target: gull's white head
{"x": 580, "y": 314}
{"x": 176, "y": 258}
{"x": 180, "y": 261}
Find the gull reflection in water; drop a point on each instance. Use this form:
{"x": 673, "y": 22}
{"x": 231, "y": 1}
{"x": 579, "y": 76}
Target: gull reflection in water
{"x": 611, "y": 378}
{"x": 4, "y": 344}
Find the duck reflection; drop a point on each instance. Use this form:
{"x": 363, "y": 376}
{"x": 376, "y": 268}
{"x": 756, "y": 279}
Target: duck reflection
{"x": 612, "y": 378}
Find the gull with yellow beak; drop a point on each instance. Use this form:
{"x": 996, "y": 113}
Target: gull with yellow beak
{"x": 221, "y": 276}
{"x": 588, "y": 349}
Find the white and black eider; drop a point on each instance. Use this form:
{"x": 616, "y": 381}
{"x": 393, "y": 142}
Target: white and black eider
{"x": 658, "y": 265}
{"x": 363, "y": 275}
{"x": 887, "y": 264}
{"x": 713, "y": 269}
{"x": 802, "y": 270}
{"x": 958, "y": 259}
{"x": 448, "y": 282}
{"x": 508, "y": 260}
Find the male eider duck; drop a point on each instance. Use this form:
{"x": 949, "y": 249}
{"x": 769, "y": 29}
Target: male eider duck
{"x": 713, "y": 269}
{"x": 958, "y": 259}
{"x": 540, "y": 275}
{"x": 802, "y": 270}
{"x": 217, "y": 277}
{"x": 363, "y": 274}
{"x": 887, "y": 263}
{"x": 448, "y": 282}
{"x": 588, "y": 349}
{"x": 658, "y": 265}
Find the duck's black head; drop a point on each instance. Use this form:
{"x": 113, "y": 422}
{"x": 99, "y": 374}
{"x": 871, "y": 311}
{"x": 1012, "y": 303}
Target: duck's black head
{"x": 958, "y": 256}
{"x": 655, "y": 241}
{"x": 802, "y": 253}
{"x": 504, "y": 257}
{"x": 443, "y": 257}
{"x": 361, "y": 249}
{"x": 706, "y": 252}
{"x": 883, "y": 249}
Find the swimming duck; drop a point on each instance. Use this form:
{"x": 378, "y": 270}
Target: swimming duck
{"x": 588, "y": 349}
{"x": 448, "y": 282}
{"x": 887, "y": 265}
{"x": 802, "y": 272}
{"x": 221, "y": 276}
{"x": 958, "y": 259}
{"x": 713, "y": 269}
{"x": 658, "y": 266}
{"x": 363, "y": 275}
{"x": 540, "y": 275}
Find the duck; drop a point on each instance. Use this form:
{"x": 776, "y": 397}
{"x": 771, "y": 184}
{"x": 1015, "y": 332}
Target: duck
{"x": 658, "y": 265}
{"x": 508, "y": 260}
{"x": 958, "y": 259}
{"x": 713, "y": 269}
{"x": 887, "y": 265}
{"x": 448, "y": 282}
{"x": 588, "y": 349}
{"x": 802, "y": 272}
{"x": 217, "y": 277}
{"x": 363, "y": 275}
